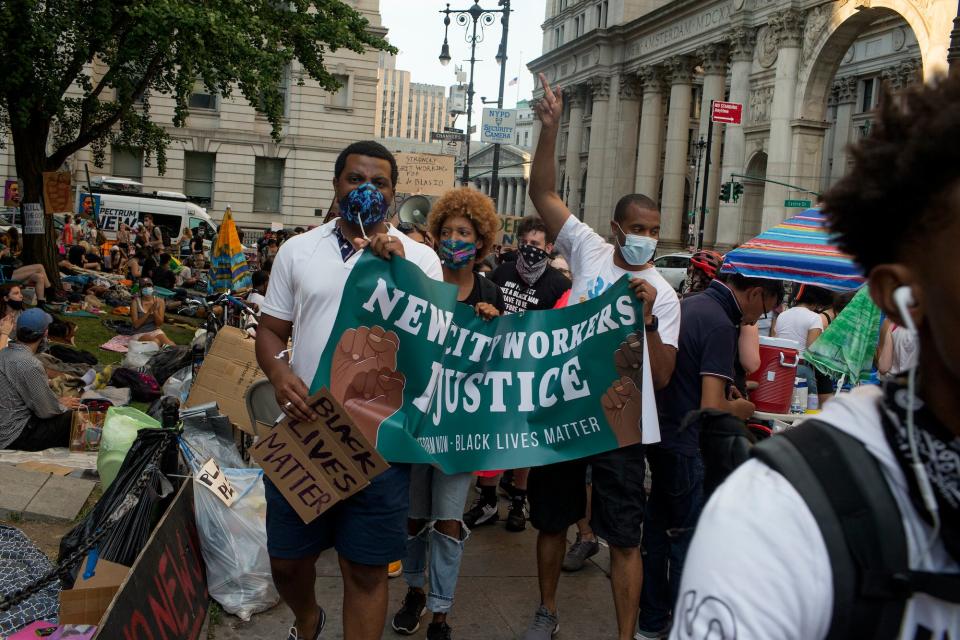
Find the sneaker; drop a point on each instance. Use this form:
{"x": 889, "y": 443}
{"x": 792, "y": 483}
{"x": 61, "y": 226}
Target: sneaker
{"x": 517, "y": 517}
{"x": 295, "y": 635}
{"x": 439, "y": 631}
{"x": 407, "y": 620}
{"x": 545, "y": 625}
{"x": 481, "y": 513}
{"x": 642, "y": 634}
{"x": 579, "y": 552}
{"x": 395, "y": 570}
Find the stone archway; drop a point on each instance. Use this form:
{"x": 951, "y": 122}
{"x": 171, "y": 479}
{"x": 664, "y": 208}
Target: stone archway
{"x": 753, "y": 192}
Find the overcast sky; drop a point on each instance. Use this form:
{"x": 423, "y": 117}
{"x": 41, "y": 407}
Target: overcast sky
{"x": 416, "y": 28}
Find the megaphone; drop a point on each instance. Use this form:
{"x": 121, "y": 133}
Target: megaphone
{"x": 415, "y": 209}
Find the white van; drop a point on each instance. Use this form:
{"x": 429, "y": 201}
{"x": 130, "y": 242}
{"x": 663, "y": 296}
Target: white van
{"x": 116, "y": 201}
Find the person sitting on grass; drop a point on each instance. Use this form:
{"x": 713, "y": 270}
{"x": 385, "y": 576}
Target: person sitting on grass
{"x": 11, "y": 305}
{"x": 33, "y": 418}
{"x": 146, "y": 316}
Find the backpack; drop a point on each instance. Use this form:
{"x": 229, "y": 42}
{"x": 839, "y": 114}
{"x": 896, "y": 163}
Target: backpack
{"x": 143, "y": 387}
{"x": 844, "y": 487}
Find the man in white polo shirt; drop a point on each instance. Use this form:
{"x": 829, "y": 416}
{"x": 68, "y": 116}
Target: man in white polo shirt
{"x": 368, "y": 530}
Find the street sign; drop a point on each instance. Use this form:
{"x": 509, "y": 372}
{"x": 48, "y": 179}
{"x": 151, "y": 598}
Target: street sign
{"x": 497, "y": 125}
{"x": 452, "y": 130}
{"x": 797, "y": 204}
{"x": 446, "y": 135}
{"x": 726, "y": 112}
{"x": 452, "y": 148}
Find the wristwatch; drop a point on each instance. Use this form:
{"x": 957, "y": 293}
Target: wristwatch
{"x": 653, "y": 326}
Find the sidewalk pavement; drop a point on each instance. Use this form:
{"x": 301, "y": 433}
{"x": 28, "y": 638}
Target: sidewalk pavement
{"x": 496, "y": 595}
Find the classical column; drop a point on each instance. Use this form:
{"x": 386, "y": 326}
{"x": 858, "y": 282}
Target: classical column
{"x": 503, "y": 199}
{"x": 508, "y": 206}
{"x": 534, "y": 140}
{"x": 846, "y": 92}
{"x": 741, "y": 41}
{"x": 575, "y": 97}
{"x": 713, "y": 60}
{"x": 673, "y": 219}
{"x": 593, "y": 213}
{"x": 650, "y": 145}
{"x": 625, "y": 149}
{"x": 520, "y": 197}
{"x": 787, "y": 28}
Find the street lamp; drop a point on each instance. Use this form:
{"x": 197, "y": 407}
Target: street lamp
{"x": 469, "y": 19}
{"x": 699, "y": 145}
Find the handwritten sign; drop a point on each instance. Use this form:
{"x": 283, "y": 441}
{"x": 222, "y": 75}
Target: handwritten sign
{"x": 428, "y": 174}
{"x": 213, "y": 479}
{"x": 317, "y": 464}
{"x": 507, "y": 235}
{"x": 56, "y": 191}
{"x": 32, "y": 219}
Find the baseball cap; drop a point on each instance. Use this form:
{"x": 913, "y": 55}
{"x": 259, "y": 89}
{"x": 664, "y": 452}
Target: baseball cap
{"x": 34, "y": 320}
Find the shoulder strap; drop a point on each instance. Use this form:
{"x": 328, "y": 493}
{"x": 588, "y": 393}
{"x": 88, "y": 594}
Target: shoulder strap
{"x": 845, "y": 489}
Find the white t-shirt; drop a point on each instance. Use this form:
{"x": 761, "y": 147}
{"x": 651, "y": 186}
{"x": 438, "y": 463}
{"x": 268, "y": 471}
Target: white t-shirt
{"x": 306, "y": 286}
{"x": 591, "y": 261}
{"x": 758, "y": 567}
{"x": 794, "y": 323}
{"x": 906, "y": 350}
{"x": 257, "y": 299}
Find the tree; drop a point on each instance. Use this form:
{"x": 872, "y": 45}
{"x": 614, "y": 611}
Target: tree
{"x": 81, "y": 72}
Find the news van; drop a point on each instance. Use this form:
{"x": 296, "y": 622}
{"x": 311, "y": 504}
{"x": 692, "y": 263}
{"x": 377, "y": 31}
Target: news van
{"x": 115, "y": 201}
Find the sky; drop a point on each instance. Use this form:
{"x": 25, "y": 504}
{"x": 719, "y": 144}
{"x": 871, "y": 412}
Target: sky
{"x": 416, "y": 29}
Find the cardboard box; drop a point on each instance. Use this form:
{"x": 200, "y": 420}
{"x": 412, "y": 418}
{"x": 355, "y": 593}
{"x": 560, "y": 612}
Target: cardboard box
{"x": 89, "y": 599}
{"x": 227, "y": 372}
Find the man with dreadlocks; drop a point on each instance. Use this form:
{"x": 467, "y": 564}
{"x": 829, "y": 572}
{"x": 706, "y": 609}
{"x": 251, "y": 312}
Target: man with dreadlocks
{"x": 848, "y": 526}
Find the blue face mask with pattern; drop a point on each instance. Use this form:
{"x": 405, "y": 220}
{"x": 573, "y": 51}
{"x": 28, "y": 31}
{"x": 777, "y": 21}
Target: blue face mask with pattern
{"x": 365, "y": 206}
{"x": 456, "y": 254}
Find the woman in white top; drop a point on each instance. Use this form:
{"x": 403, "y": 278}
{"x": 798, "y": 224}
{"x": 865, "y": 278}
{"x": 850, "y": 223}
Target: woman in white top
{"x": 803, "y": 324}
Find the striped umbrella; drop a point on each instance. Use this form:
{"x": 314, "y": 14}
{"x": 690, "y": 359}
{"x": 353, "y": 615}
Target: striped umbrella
{"x": 228, "y": 266}
{"x": 799, "y": 249}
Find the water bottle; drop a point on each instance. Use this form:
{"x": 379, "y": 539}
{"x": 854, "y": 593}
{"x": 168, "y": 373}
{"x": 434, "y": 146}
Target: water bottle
{"x": 798, "y": 402}
{"x": 813, "y": 402}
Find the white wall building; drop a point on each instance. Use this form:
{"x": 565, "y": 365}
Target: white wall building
{"x": 407, "y": 109}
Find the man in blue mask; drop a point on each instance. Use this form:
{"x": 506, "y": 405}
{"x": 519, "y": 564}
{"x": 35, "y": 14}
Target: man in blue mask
{"x": 368, "y": 530}
{"x": 556, "y": 492}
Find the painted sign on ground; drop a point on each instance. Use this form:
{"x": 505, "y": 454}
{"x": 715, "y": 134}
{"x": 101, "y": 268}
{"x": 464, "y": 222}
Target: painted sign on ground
{"x": 429, "y": 381}
{"x": 429, "y": 174}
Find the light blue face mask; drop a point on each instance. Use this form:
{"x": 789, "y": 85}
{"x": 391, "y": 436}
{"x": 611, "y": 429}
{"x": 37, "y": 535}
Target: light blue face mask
{"x": 637, "y": 250}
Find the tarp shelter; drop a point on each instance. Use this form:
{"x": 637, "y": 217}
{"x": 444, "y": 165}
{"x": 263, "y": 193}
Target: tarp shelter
{"x": 228, "y": 266}
{"x": 800, "y": 249}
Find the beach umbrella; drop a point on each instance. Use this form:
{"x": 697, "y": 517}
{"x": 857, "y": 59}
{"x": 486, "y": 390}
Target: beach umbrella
{"x": 800, "y": 249}
{"x": 228, "y": 265}
{"x": 847, "y": 347}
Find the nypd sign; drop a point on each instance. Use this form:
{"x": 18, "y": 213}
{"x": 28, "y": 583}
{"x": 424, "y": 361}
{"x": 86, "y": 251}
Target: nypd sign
{"x": 498, "y": 126}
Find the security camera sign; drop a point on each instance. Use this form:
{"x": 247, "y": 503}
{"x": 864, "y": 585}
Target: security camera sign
{"x": 498, "y": 126}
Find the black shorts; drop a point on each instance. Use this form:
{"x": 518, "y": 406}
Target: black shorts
{"x": 557, "y": 495}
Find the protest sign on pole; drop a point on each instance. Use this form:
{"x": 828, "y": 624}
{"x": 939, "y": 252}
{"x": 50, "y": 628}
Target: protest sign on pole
{"x": 429, "y": 381}
{"x": 429, "y": 174}
{"x": 32, "y": 219}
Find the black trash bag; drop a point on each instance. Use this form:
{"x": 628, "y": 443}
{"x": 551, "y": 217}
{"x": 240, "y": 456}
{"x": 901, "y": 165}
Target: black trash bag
{"x": 168, "y": 361}
{"x": 121, "y": 327}
{"x": 127, "y": 538}
{"x": 166, "y": 411}
{"x": 73, "y": 356}
{"x": 22, "y": 564}
{"x": 143, "y": 386}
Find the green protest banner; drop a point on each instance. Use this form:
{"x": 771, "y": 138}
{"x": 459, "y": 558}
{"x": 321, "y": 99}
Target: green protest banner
{"x": 428, "y": 381}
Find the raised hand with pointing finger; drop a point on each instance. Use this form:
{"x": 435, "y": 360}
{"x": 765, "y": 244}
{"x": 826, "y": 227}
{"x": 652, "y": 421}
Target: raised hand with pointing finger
{"x": 550, "y": 108}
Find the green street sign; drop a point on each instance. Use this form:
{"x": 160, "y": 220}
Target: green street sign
{"x": 801, "y": 204}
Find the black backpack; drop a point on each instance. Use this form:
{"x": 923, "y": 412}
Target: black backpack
{"x": 844, "y": 487}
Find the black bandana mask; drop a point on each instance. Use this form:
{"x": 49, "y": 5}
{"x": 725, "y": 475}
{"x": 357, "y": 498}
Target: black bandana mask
{"x": 939, "y": 452}
{"x": 531, "y": 263}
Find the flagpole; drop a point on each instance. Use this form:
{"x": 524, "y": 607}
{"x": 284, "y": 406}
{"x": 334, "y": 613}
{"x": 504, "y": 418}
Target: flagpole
{"x": 519, "y": 66}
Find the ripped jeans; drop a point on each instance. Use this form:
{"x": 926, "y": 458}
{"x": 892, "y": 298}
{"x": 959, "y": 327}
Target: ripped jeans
{"x": 676, "y": 499}
{"x": 434, "y": 496}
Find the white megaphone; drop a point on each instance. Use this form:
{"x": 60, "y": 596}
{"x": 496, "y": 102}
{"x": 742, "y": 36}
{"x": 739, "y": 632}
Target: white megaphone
{"x": 415, "y": 209}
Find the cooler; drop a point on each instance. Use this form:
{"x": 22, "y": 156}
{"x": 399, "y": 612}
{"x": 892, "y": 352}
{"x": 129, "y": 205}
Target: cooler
{"x": 778, "y": 368}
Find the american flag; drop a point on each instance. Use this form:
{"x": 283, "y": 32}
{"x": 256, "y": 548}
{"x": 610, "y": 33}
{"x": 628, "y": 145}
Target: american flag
{"x": 514, "y": 81}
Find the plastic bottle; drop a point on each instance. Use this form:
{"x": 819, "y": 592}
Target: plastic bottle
{"x": 798, "y": 402}
{"x": 813, "y": 402}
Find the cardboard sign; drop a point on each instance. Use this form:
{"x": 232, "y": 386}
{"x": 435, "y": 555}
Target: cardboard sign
{"x": 498, "y": 125}
{"x": 32, "y": 219}
{"x": 165, "y": 594}
{"x": 90, "y": 598}
{"x": 276, "y": 226}
{"x": 426, "y": 174}
{"x": 507, "y": 235}
{"x": 227, "y": 372}
{"x": 57, "y": 191}
{"x": 317, "y": 464}
{"x": 211, "y": 477}
{"x": 726, "y": 112}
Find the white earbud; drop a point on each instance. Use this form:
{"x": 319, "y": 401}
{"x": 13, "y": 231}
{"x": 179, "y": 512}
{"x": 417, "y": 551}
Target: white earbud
{"x": 903, "y": 298}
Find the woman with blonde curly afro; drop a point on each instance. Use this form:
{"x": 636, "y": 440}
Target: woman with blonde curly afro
{"x": 464, "y": 223}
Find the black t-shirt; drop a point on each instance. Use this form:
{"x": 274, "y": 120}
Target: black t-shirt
{"x": 708, "y": 346}
{"x": 164, "y": 277}
{"x": 147, "y": 267}
{"x": 75, "y": 255}
{"x": 485, "y": 291}
{"x": 519, "y": 296}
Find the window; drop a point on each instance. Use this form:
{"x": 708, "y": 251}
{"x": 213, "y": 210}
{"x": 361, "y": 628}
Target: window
{"x": 576, "y": 26}
{"x": 127, "y": 163}
{"x": 341, "y": 99}
{"x": 599, "y": 15}
{"x": 198, "y": 176}
{"x": 200, "y": 98}
{"x": 267, "y": 179}
{"x": 867, "y": 104}
{"x": 283, "y": 87}
{"x": 526, "y": 138}
{"x": 606, "y": 14}
{"x": 556, "y": 37}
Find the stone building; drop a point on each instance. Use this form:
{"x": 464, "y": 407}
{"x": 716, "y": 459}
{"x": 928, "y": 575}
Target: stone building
{"x": 524, "y": 129}
{"x": 639, "y": 77}
{"x": 407, "y": 109}
{"x": 513, "y": 176}
{"x": 226, "y": 156}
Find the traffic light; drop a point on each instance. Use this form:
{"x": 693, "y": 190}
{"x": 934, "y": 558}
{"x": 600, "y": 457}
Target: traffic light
{"x": 737, "y": 191}
{"x": 725, "y": 191}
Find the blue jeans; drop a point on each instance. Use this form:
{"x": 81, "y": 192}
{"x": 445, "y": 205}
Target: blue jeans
{"x": 806, "y": 372}
{"x": 434, "y": 495}
{"x": 676, "y": 499}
